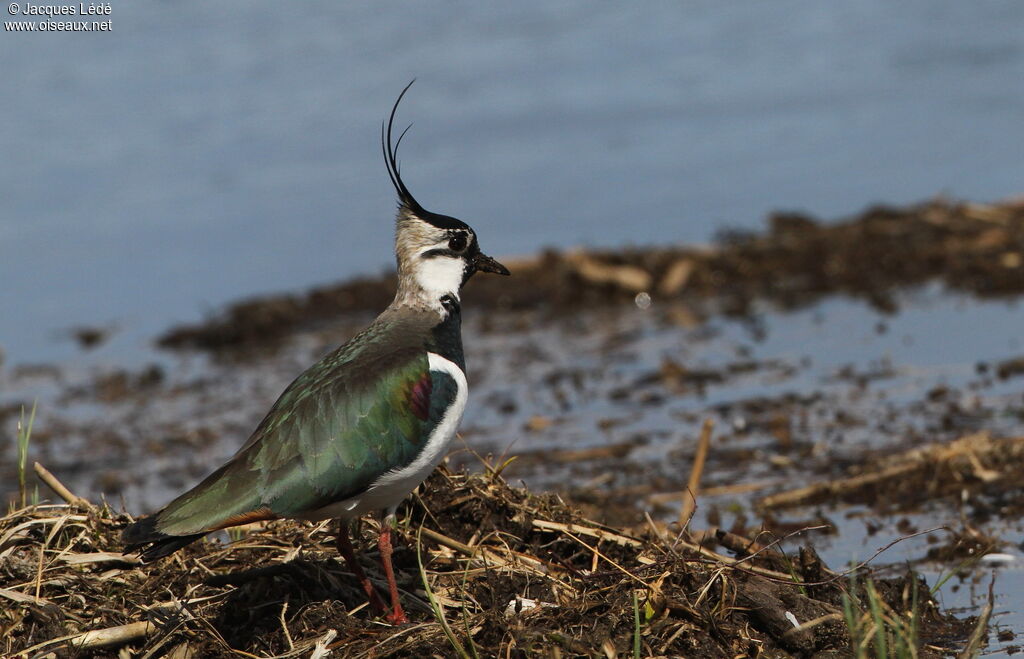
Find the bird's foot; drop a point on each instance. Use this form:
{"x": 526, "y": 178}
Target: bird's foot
{"x": 397, "y": 617}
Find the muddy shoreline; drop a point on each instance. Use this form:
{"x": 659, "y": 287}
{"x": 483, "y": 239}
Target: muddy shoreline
{"x": 797, "y": 260}
{"x": 816, "y": 348}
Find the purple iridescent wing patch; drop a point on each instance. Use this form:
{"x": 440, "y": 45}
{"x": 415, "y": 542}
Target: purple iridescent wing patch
{"x": 419, "y": 397}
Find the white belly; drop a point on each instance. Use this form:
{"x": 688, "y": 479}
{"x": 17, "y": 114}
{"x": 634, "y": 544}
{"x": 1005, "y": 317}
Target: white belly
{"x": 392, "y": 487}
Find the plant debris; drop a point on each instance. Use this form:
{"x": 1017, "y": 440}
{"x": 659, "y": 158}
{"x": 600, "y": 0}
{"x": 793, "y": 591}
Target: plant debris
{"x": 603, "y": 405}
{"x": 918, "y": 475}
{"x": 969, "y": 247}
{"x": 485, "y": 570}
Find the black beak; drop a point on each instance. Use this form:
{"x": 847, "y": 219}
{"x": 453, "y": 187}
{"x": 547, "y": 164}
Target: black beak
{"x": 484, "y": 263}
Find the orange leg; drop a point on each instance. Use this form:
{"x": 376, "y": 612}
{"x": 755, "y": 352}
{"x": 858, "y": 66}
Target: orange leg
{"x": 349, "y": 554}
{"x": 397, "y": 615}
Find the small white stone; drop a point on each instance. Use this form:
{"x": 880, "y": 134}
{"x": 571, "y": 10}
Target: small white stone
{"x": 792, "y": 618}
{"x": 998, "y": 558}
{"x": 642, "y": 300}
{"x": 519, "y": 605}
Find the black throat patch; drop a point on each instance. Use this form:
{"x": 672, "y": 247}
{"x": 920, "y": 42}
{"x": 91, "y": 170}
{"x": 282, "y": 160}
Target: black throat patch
{"x": 446, "y": 336}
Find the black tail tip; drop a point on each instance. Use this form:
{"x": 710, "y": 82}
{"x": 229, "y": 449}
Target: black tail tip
{"x": 137, "y": 536}
{"x": 141, "y": 532}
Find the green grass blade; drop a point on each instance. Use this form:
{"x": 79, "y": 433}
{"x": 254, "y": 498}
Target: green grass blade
{"x": 465, "y": 615}
{"x": 878, "y": 618}
{"x": 434, "y": 604}
{"x": 636, "y": 627}
{"x": 24, "y": 436}
{"x": 850, "y": 616}
{"x": 966, "y": 564}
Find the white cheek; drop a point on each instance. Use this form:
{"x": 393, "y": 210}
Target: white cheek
{"x": 440, "y": 276}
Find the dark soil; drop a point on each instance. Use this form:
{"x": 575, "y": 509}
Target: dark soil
{"x": 515, "y": 574}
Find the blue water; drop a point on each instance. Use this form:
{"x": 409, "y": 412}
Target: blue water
{"x": 202, "y": 151}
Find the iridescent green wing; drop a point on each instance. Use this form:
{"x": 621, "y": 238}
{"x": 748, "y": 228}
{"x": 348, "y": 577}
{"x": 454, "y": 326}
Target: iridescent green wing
{"x": 344, "y": 422}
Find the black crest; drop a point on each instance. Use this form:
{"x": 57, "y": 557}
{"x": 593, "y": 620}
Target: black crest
{"x": 405, "y": 198}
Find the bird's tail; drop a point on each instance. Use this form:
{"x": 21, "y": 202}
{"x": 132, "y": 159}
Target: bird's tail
{"x": 225, "y": 498}
{"x": 142, "y": 535}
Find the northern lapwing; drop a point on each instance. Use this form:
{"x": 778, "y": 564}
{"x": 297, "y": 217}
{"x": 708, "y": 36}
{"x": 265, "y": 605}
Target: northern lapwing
{"x": 361, "y": 428}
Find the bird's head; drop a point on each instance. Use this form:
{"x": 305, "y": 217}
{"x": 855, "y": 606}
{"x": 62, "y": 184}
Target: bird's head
{"x": 436, "y": 254}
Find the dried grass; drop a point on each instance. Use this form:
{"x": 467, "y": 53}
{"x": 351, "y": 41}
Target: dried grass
{"x": 504, "y": 573}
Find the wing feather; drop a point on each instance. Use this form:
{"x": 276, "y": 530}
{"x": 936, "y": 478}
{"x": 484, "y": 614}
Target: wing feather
{"x": 345, "y": 421}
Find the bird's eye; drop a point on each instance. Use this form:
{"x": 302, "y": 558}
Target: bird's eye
{"x": 457, "y": 243}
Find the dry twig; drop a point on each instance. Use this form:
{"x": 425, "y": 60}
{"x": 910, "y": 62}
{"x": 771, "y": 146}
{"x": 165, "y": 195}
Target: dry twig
{"x": 693, "y": 485}
{"x": 59, "y": 488}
